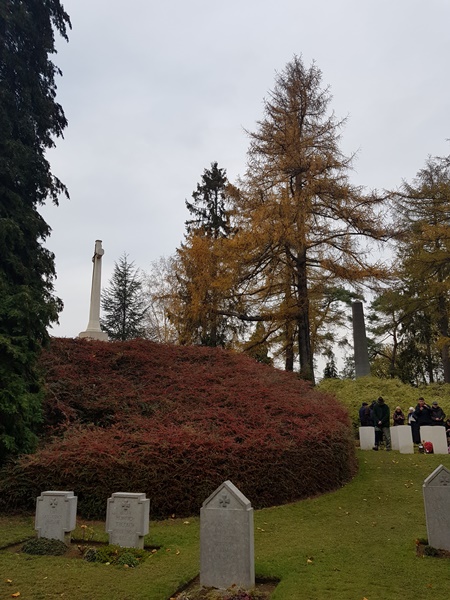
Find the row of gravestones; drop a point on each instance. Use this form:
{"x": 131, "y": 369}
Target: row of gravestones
{"x": 226, "y": 530}
{"x": 226, "y": 526}
{"x": 401, "y": 438}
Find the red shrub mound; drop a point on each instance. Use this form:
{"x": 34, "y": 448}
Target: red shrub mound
{"x": 175, "y": 422}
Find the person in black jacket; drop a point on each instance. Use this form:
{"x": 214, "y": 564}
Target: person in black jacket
{"x": 422, "y": 414}
{"x": 437, "y": 414}
{"x": 381, "y": 421}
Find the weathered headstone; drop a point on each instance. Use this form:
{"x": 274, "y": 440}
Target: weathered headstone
{"x": 56, "y": 515}
{"x": 93, "y": 330}
{"x": 227, "y": 555}
{"x": 437, "y": 436}
{"x": 366, "y": 438}
{"x": 127, "y": 519}
{"x": 362, "y": 366}
{"x": 405, "y": 441}
{"x": 394, "y": 437}
{"x": 436, "y": 495}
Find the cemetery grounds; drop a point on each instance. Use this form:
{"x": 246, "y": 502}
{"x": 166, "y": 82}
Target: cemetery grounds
{"x": 353, "y": 544}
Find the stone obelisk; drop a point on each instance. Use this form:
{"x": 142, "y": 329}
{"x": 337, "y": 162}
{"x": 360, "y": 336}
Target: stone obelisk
{"x": 93, "y": 330}
{"x": 362, "y": 366}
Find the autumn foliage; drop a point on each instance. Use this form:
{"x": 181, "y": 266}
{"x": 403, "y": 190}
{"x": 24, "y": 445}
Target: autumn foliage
{"x": 175, "y": 422}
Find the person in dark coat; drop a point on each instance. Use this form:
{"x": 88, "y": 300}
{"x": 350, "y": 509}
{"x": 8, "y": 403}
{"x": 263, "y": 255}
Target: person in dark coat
{"x": 437, "y": 414}
{"x": 365, "y": 415}
{"x": 381, "y": 421}
{"x": 398, "y": 417}
{"x": 422, "y": 414}
{"x": 414, "y": 426}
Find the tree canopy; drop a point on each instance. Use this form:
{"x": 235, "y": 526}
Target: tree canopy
{"x": 303, "y": 227}
{"x": 414, "y": 312}
{"x": 30, "y": 120}
{"x": 124, "y": 304}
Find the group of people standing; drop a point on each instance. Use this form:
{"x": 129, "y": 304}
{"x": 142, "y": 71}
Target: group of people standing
{"x": 377, "y": 415}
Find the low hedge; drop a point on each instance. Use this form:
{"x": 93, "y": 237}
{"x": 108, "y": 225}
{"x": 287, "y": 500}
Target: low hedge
{"x": 180, "y": 422}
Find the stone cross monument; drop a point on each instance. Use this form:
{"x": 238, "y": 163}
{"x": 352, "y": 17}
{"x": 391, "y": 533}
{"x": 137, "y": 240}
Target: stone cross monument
{"x": 93, "y": 330}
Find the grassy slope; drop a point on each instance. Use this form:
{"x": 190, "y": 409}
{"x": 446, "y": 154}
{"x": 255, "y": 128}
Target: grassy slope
{"x": 352, "y": 393}
{"x": 360, "y": 539}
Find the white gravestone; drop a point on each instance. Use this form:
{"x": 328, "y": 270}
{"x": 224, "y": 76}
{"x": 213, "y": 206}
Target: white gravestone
{"x": 394, "y": 437}
{"x": 405, "y": 441}
{"x": 227, "y": 555}
{"x": 437, "y": 436}
{"x": 127, "y": 519}
{"x": 436, "y": 495}
{"x": 56, "y": 515}
{"x": 366, "y": 438}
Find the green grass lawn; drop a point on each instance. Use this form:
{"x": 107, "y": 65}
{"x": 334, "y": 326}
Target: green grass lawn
{"x": 358, "y": 542}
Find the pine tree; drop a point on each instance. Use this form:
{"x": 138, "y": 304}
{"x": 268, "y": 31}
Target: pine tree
{"x": 123, "y": 303}
{"x": 209, "y": 206}
{"x": 423, "y": 207}
{"x": 202, "y": 273}
{"x": 30, "y": 119}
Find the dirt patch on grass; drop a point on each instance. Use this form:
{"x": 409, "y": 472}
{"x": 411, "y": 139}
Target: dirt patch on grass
{"x": 193, "y": 591}
{"x": 423, "y": 549}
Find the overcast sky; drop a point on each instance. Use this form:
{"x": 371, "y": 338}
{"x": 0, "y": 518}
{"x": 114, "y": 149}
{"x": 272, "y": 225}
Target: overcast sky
{"x": 154, "y": 91}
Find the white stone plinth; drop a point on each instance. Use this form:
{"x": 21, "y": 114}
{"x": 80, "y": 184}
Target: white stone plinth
{"x": 127, "y": 519}
{"x": 94, "y": 335}
{"x": 227, "y": 555}
{"x": 56, "y": 515}
{"x": 366, "y": 438}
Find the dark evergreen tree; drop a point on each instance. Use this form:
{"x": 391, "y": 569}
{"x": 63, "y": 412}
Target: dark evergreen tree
{"x": 30, "y": 120}
{"x": 203, "y": 280}
{"x": 209, "y": 208}
{"x": 123, "y": 303}
{"x": 330, "y": 371}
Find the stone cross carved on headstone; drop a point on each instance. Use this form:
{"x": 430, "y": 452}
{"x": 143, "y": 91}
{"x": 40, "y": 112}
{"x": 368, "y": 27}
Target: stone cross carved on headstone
{"x": 93, "y": 330}
{"x": 56, "y": 514}
{"x": 436, "y": 495}
{"x": 227, "y": 555}
{"x": 127, "y": 519}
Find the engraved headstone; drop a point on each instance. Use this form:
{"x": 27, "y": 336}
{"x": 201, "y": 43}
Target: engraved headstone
{"x": 366, "y": 438}
{"x": 405, "y": 441}
{"x": 227, "y": 555}
{"x": 127, "y": 519}
{"x": 436, "y": 495}
{"x": 56, "y": 515}
{"x": 437, "y": 436}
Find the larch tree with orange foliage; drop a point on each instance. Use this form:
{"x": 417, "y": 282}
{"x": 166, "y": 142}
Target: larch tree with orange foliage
{"x": 303, "y": 229}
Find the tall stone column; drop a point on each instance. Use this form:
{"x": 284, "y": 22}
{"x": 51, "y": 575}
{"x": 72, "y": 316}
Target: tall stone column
{"x": 362, "y": 366}
{"x": 93, "y": 330}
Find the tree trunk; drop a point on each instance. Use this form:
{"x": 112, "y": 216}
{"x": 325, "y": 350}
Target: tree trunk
{"x": 304, "y": 332}
{"x": 444, "y": 330}
{"x": 289, "y": 346}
